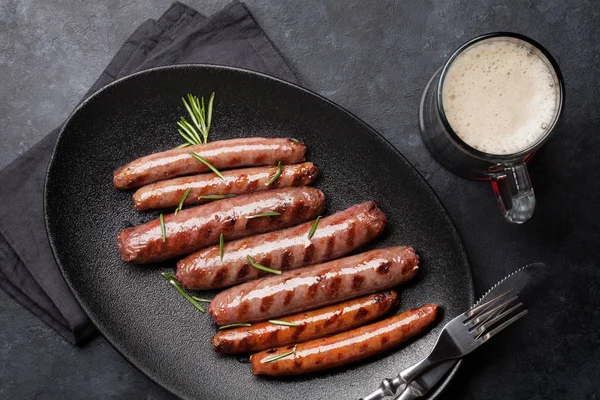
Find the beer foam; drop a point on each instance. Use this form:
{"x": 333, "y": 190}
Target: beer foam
{"x": 500, "y": 97}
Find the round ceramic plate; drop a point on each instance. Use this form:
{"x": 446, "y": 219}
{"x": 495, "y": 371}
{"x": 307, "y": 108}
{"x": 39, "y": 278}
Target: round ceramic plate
{"x": 142, "y": 315}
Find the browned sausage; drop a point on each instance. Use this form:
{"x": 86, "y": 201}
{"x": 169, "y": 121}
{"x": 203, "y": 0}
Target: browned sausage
{"x": 316, "y": 286}
{"x": 347, "y": 347}
{"x": 202, "y": 226}
{"x": 222, "y": 154}
{"x": 311, "y": 325}
{"x": 168, "y": 193}
{"x": 287, "y": 249}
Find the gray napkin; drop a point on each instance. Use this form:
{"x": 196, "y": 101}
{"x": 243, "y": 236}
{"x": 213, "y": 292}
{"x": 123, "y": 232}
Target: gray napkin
{"x": 28, "y": 271}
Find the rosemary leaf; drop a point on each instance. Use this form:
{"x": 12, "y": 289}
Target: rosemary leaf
{"x": 209, "y": 165}
{"x": 284, "y": 323}
{"x": 280, "y": 356}
{"x": 163, "y": 229}
{"x": 277, "y": 174}
{"x": 261, "y": 267}
{"x": 295, "y": 140}
{"x": 267, "y": 214}
{"x": 183, "y": 145}
{"x": 185, "y": 195}
{"x": 201, "y": 299}
{"x": 233, "y": 326}
{"x": 209, "y": 112}
{"x": 314, "y": 228}
{"x": 216, "y": 196}
{"x": 221, "y": 246}
{"x": 186, "y": 136}
{"x": 173, "y": 281}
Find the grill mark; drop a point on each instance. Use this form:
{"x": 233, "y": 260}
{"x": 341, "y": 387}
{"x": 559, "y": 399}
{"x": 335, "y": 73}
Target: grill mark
{"x": 328, "y": 247}
{"x": 351, "y": 235}
{"x": 340, "y": 355}
{"x": 235, "y": 160}
{"x": 384, "y": 268}
{"x": 286, "y": 259}
{"x": 335, "y": 286}
{"x": 357, "y": 281}
{"x": 243, "y": 272}
{"x": 288, "y": 297}
{"x": 298, "y": 363}
{"x": 361, "y": 314}
{"x": 260, "y": 160}
{"x": 331, "y": 320}
{"x": 272, "y": 337}
{"x": 312, "y": 290}
{"x": 384, "y": 339}
{"x": 318, "y": 361}
{"x": 252, "y": 186}
{"x": 243, "y": 310}
{"x": 363, "y": 347}
{"x": 246, "y": 343}
{"x": 274, "y": 366}
{"x": 266, "y": 303}
{"x": 297, "y": 179}
{"x": 265, "y": 260}
{"x": 298, "y": 331}
{"x": 220, "y": 276}
{"x": 309, "y": 252}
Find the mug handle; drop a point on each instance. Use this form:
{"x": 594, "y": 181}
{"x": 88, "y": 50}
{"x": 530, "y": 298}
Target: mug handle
{"x": 514, "y": 192}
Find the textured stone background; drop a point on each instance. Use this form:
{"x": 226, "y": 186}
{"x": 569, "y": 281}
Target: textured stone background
{"x": 372, "y": 58}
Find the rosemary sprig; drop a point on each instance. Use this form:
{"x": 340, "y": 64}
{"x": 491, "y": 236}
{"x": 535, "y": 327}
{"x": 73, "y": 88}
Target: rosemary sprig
{"x": 185, "y": 195}
{"x": 200, "y": 299}
{"x": 163, "y": 228}
{"x": 221, "y": 246}
{"x": 173, "y": 281}
{"x": 277, "y": 174}
{"x": 209, "y": 165}
{"x": 267, "y": 214}
{"x": 284, "y": 323}
{"x": 201, "y": 118}
{"x": 261, "y": 267}
{"x": 233, "y": 326}
{"x": 216, "y": 196}
{"x": 314, "y": 228}
{"x": 280, "y": 356}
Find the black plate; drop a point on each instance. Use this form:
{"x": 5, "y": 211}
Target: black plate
{"x": 141, "y": 314}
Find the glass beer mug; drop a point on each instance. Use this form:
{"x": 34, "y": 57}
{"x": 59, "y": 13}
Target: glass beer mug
{"x": 475, "y": 132}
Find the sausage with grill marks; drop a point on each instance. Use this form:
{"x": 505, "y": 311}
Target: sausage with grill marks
{"x": 168, "y": 193}
{"x": 315, "y": 286}
{"x": 347, "y": 347}
{"x": 287, "y": 249}
{"x": 310, "y": 325}
{"x": 222, "y": 154}
{"x": 202, "y": 226}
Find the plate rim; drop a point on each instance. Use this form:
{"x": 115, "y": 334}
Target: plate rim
{"x": 439, "y": 388}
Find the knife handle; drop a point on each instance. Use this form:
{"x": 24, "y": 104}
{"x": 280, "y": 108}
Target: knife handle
{"x": 388, "y": 387}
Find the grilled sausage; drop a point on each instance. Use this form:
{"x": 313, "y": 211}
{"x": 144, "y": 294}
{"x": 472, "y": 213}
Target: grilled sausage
{"x": 222, "y": 154}
{"x": 168, "y": 193}
{"x": 310, "y": 325}
{"x": 291, "y": 248}
{"x": 316, "y": 286}
{"x": 347, "y": 347}
{"x": 202, "y": 226}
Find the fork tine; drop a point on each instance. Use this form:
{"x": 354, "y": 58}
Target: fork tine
{"x": 487, "y": 315}
{"x": 475, "y": 311}
{"x": 482, "y": 328}
{"x": 503, "y": 325}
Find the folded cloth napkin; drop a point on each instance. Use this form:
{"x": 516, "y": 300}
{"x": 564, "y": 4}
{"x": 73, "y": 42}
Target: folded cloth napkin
{"x": 28, "y": 271}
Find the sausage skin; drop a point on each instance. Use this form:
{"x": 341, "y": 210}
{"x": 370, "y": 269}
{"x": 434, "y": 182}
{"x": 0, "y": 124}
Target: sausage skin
{"x": 311, "y": 325}
{"x": 168, "y": 193}
{"x": 202, "y": 226}
{"x": 347, "y": 347}
{"x": 222, "y": 154}
{"x": 287, "y": 249}
{"x": 315, "y": 286}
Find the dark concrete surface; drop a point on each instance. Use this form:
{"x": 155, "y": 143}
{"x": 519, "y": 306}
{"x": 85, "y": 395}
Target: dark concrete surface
{"x": 374, "y": 59}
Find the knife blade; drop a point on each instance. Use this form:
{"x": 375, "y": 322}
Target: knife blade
{"x": 517, "y": 281}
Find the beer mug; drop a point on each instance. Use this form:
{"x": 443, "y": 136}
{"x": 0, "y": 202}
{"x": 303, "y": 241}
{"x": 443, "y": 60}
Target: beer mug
{"x": 488, "y": 109}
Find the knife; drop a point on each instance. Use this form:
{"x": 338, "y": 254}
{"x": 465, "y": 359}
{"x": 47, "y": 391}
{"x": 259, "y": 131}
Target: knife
{"x": 517, "y": 281}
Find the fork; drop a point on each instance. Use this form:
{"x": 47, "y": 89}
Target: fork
{"x": 459, "y": 337}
